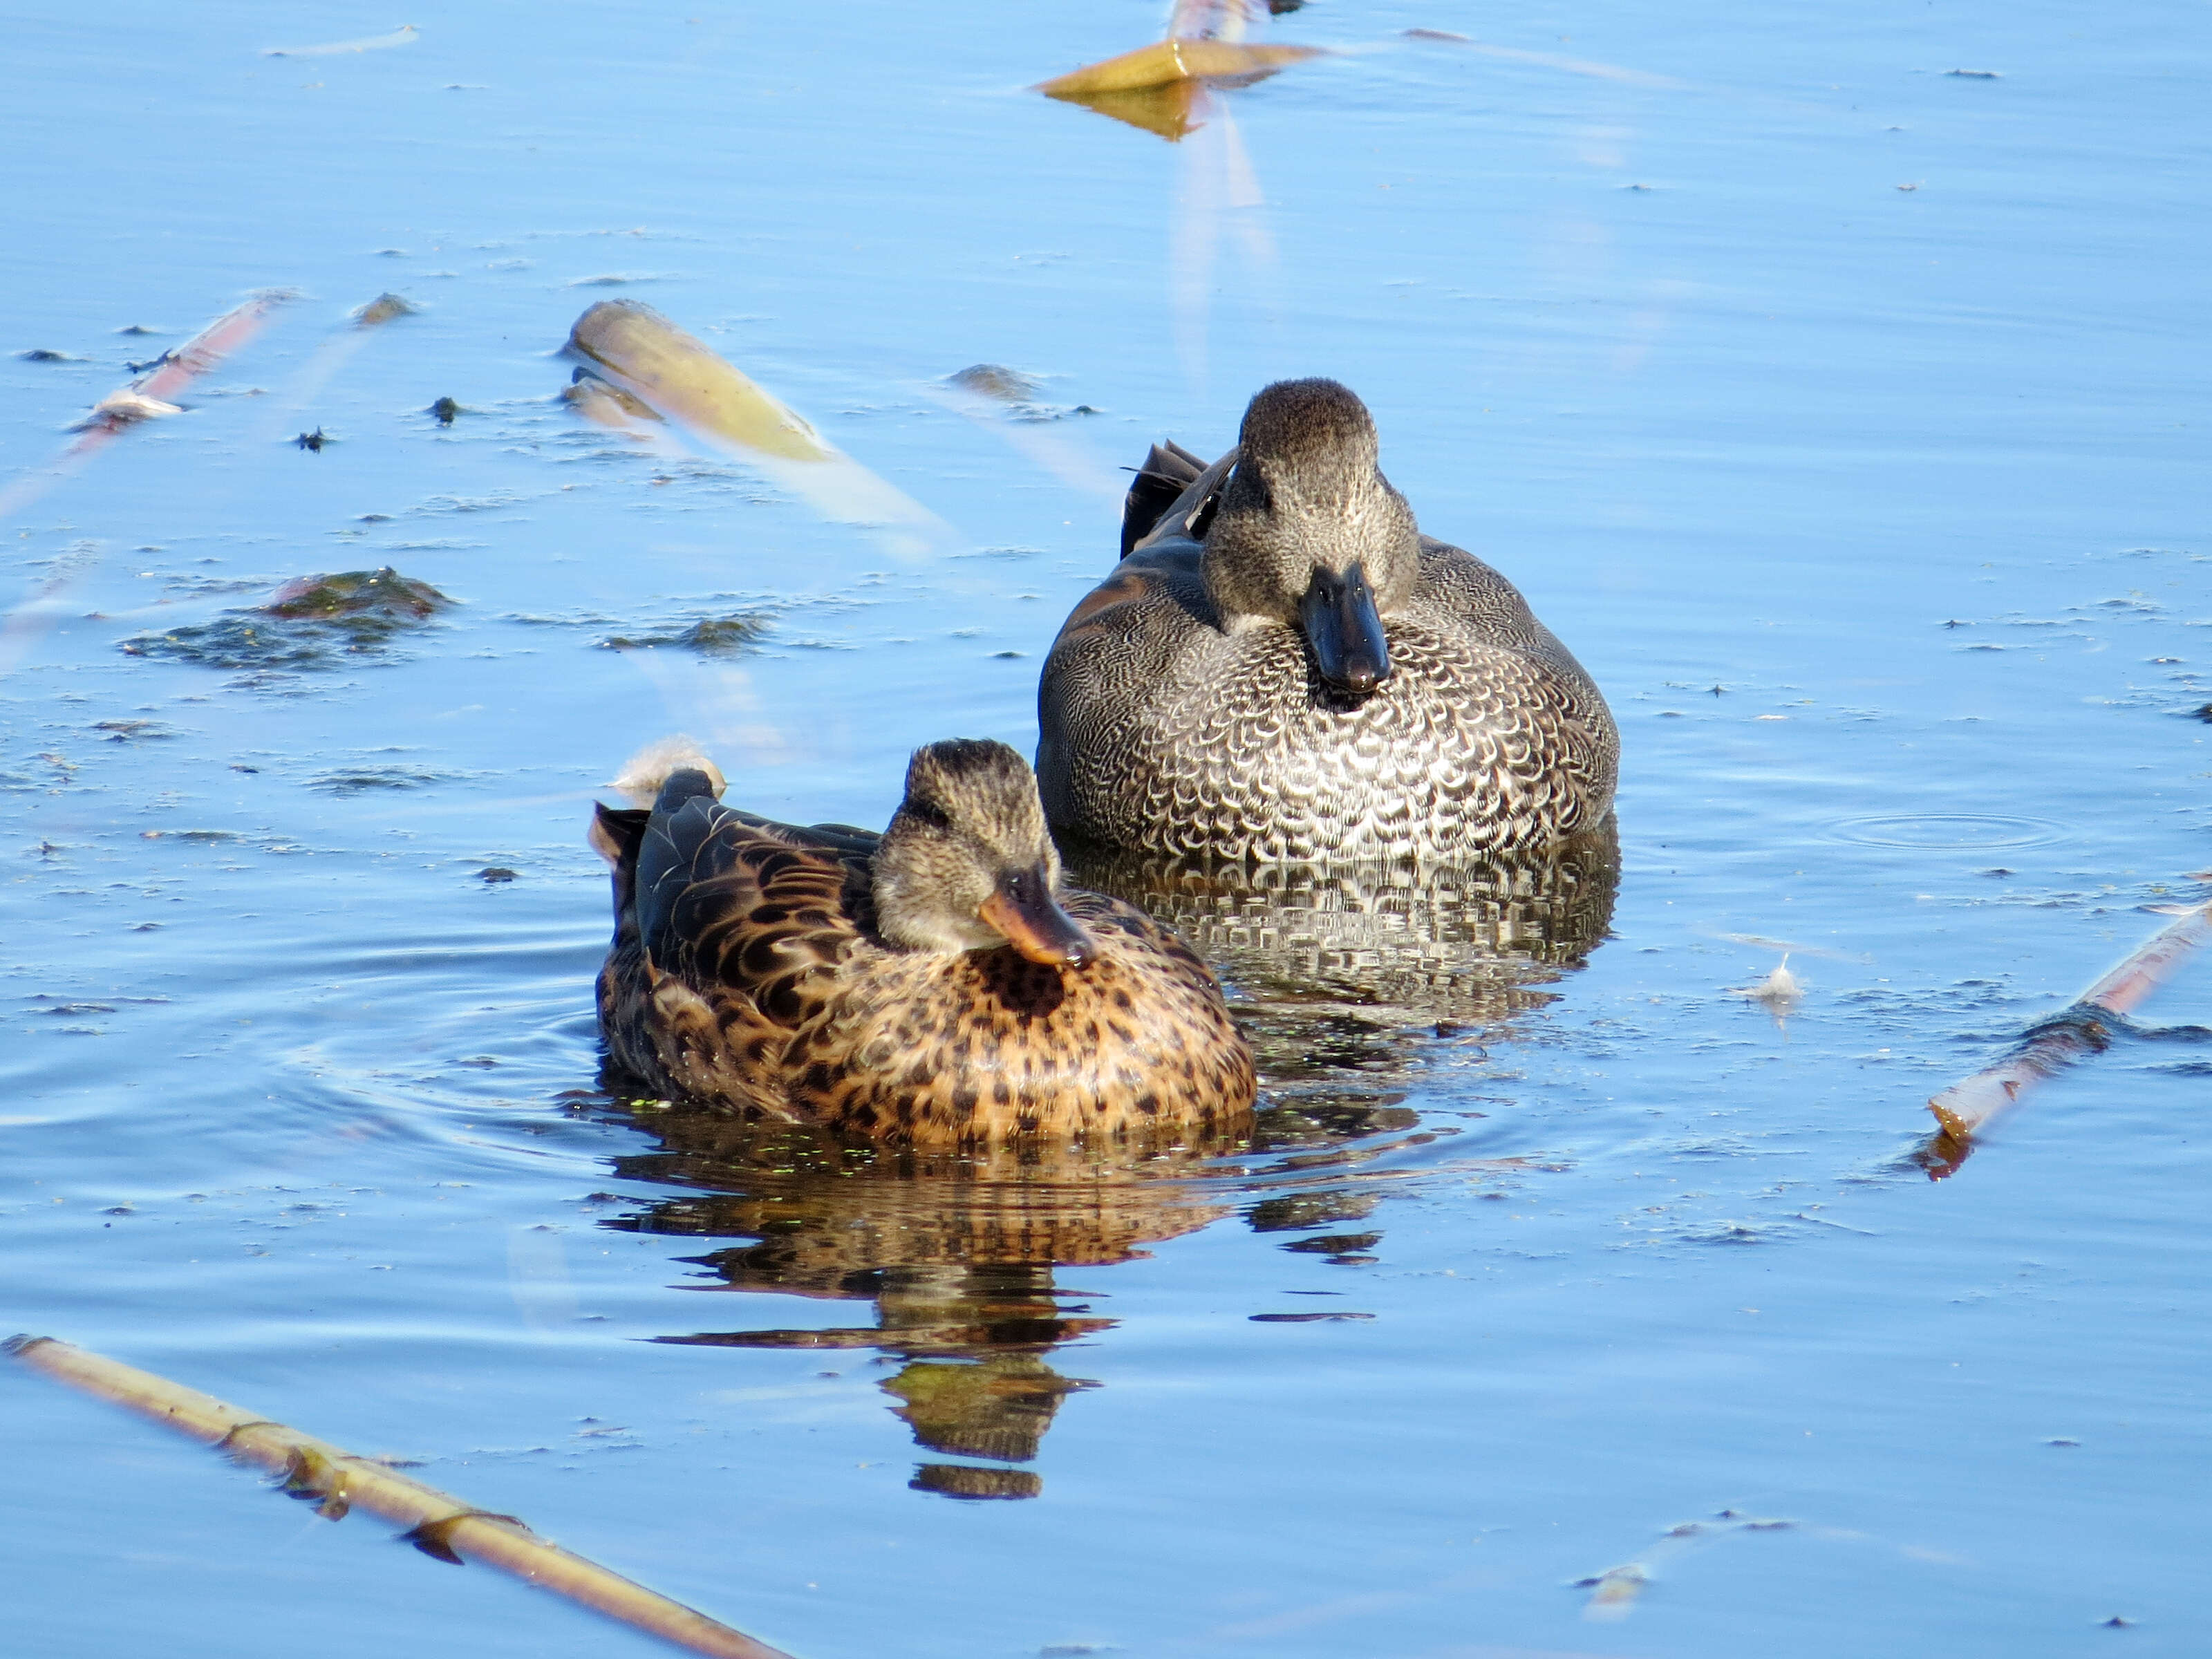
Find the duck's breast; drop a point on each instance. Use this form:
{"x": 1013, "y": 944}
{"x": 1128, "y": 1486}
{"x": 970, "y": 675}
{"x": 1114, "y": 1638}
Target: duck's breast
{"x": 978, "y": 1047}
{"x": 1165, "y": 732}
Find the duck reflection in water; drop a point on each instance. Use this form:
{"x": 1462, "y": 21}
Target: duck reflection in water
{"x": 957, "y": 1252}
{"x": 1392, "y": 949}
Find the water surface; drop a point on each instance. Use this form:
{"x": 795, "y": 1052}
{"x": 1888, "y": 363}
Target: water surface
{"x": 1842, "y": 413}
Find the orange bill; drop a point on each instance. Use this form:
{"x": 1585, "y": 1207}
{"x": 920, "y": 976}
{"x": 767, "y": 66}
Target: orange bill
{"x": 1023, "y": 909}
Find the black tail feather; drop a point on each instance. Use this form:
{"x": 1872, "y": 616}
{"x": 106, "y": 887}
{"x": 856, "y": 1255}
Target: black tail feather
{"x": 670, "y": 854}
{"x": 1168, "y": 471}
{"x": 617, "y": 831}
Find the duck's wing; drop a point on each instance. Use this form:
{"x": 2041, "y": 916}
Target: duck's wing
{"x": 739, "y": 908}
{"x": 1527, "y": 682}
{"x": 846, "y": 841}
{"x": 1487, "y": 608}
{"x": 1114, "y": 661}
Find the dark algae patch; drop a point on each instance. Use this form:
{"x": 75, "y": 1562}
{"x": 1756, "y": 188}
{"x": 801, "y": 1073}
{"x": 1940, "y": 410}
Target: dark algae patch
{"x": 384, "y": 308}
{"x": 237, "y": 638}
{"x": 358, "y": 595}
{"x": 314, "y": 621}
{"x": 131, "y": 731}
{"x": 994, "y": 380}
{"x": 711, "y": 636}
{"x": 363, "y": 780}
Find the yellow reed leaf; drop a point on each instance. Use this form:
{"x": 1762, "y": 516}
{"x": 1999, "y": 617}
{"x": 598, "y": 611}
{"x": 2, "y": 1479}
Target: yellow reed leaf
{"x": 1165, "y": 62}
{"x": 644, "y": 353}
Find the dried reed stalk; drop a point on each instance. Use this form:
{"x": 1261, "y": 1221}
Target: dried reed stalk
{"x": 1967, "y": 1107}
{"x": 437, "y": 1523}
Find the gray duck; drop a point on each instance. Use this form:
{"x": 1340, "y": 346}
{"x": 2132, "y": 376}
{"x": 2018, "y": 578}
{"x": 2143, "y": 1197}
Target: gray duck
{"x": 932, "y": 986}
{"x": 1283, "y": 668}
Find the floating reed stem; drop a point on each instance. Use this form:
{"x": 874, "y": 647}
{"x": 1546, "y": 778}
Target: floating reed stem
{"x": 1967, "y": 1107}
{"x": 437, "y": 1523}
{"x": 145, "y": 397}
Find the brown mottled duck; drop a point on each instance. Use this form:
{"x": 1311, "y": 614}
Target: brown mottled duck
{"x": 932, "y": 986}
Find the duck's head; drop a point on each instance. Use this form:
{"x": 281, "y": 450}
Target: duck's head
{"x": 1309, "y": 533}
{"x": 967, "y": 864}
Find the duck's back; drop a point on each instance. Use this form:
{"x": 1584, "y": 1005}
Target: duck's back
{"x": 1162, "y": 732}
{"x": 729, "y": 932}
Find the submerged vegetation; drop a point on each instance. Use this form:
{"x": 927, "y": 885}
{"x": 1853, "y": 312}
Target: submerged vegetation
{"x": 316, "y": 622}
{"x": 710, "y": 636}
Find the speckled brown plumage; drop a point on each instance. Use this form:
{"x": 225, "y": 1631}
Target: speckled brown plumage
{"x": 1173, "y": 722}
{"x": 749, "y": 969}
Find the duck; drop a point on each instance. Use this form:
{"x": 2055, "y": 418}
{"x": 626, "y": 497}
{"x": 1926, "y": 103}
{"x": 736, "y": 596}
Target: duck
{"x": 938, "y": 986}
{"x": 1283, "y": 668}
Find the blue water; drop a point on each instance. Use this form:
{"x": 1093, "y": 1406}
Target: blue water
{"x": 1876, "y": 512}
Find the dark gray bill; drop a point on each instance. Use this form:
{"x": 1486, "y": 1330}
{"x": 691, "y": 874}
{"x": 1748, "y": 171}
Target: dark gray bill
{"x": 1346, "y": 631}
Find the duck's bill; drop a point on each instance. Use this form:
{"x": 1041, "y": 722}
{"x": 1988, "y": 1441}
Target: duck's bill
{"x": 1024, "y": 910}
{"x": 1341, "y": 620}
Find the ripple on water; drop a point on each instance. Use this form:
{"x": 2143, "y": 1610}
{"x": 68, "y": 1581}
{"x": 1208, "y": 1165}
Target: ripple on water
{"x": 1939, "y": 830}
